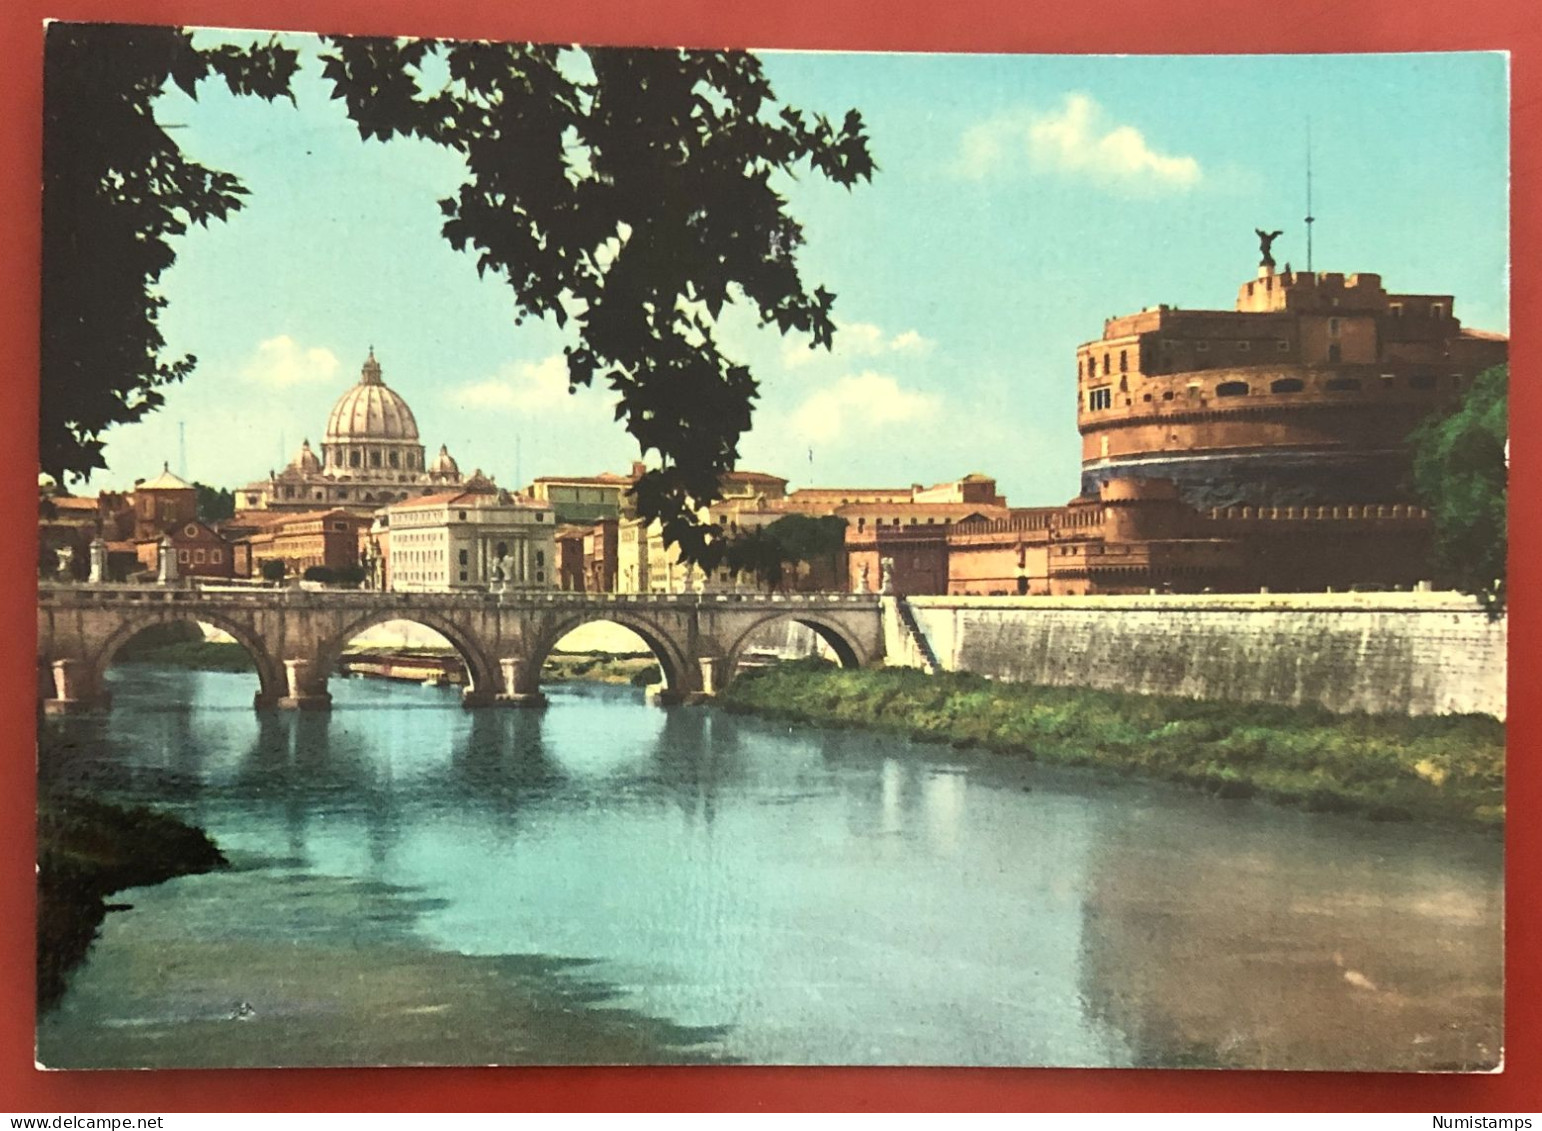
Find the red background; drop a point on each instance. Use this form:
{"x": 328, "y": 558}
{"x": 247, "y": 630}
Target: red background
{"x": 1124, "y": 26}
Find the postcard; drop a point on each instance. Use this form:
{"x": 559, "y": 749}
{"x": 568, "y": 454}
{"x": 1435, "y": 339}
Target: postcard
{"x": 599, "y": 555}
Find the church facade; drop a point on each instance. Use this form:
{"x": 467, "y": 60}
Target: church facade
{"x": 371, "y": 456}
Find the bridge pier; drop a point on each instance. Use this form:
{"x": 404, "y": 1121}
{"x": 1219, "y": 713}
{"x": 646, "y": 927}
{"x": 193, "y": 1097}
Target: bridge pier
{"x": 306, "y": 693}
{"x": 713, "y": 671}
{"x": 71, "y": 695}
{"x": 657, "y": 695}
{"x": 515, "y": 691}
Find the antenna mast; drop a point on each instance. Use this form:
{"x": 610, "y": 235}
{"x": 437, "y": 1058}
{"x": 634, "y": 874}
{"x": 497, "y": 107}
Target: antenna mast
{"x": 1310, "y": 219}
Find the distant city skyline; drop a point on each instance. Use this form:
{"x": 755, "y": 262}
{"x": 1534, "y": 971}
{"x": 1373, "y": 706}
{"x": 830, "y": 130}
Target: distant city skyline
{"x": 1020, "y": 201}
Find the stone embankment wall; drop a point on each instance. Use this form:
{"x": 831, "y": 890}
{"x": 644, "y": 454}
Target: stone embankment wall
{"x": 1408, "y": 653}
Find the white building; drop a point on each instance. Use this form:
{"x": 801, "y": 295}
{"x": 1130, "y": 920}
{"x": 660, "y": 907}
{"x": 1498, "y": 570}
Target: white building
{"x": 469, "y": 540}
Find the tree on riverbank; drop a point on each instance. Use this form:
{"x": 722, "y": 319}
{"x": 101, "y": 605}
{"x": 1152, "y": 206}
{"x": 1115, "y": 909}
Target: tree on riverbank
{"x": 1461, "y": 471}
{"x": 117, "y": 191}
{"x": 633, "y": 193}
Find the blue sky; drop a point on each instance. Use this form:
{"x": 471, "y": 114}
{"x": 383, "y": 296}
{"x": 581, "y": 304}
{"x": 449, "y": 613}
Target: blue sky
{"x": 1020, "y": 201}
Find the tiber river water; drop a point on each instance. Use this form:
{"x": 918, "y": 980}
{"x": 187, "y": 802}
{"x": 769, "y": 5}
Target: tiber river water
{"x": 605, "y": 881}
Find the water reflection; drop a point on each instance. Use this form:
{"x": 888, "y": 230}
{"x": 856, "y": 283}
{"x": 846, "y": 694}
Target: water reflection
{"x": 806, "y": 896}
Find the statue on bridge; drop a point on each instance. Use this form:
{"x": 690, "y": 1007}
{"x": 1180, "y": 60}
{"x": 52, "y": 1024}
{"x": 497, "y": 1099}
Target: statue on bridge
{"x": 503, "y": 572}
{"x": 65, "y": 559}
{"x": 886, "y": 576}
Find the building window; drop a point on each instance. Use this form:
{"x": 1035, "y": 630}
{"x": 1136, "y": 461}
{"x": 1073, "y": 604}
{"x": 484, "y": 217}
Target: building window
{"x": 374, "y": 458}
{"x": 463, "y": 561}
{"x": 503, "y": 549}
{"x": 1232, "y": 389}
{"x": 1397, "y": 309}
{"x": 1124, "y": 361}
{"x": 1333, "y": 327}
{"x": 1100, "y": 398}
{"x": 395, "y": 460}
{"x": 463, "y": 575}
{"x": 1437, "y": 310}
{"x": 1388, "y": 380}
{"x": 540, "y": 577}
{"x": 190, "y": 530}
{"x": 1282, "y": 345}
{"x": 198, "y": 557}
{"x": 1342, "y": 385}
{"x": 461, "y": 515}
{"x": 1286, "y": 385}
{"x": 353, "y": 459}
{"x": 216, "y": 556}
{"x": 1105, "y": 364}
{"x": 1201, "y": 347}
{"x": 1335, "y": 354}
{"x": 540, "y": 557}
{"x": 182, "y": 556}
{"x": 1244, "y": 347}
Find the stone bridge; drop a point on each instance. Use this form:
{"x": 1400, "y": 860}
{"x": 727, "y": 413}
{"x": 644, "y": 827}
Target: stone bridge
{"x": 296, "y": 636}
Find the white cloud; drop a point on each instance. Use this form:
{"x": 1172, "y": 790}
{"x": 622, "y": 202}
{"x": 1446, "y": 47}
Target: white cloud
{"x": 1077, "y": 138}
{"x": 856, "y": 339}
{"x": 529, "y": 387}
{"x": 864, "y": 401}
{"x": 282, "y": 362}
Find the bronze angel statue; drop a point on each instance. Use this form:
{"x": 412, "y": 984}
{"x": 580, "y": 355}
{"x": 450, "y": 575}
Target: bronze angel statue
{"x": 1265, "y": 242}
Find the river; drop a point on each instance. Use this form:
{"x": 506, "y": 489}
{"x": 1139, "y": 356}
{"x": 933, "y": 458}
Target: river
{"x": 608, "y": 882}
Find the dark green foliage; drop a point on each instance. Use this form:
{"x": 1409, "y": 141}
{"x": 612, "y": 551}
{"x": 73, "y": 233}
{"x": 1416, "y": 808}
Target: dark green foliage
{"x": 274, "y": 570}
{"x": 215, "y": 503}
{"x": 804, "y": 538}
{"x": 636, "y": 203}
{"x": 1460, "y": 473}
{"x": 329, "y": 575}
{"x": 765, "y": 552}
{"x": 117, "y": 191}
{"x": 633, "y": 192}
{"x": 1390, "y": 767}
{"x": 87, "y": 849}
{"x": 196, "y": 655}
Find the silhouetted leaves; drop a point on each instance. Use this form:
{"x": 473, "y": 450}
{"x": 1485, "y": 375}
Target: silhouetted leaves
{"x": 630, "y": 193}
{"x": 118, "y": 190}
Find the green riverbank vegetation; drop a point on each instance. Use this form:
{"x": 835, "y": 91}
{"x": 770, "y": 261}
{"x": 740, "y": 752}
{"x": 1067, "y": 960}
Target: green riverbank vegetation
{"x": 88, "y": 849}
{"x": 1448, "y": 767}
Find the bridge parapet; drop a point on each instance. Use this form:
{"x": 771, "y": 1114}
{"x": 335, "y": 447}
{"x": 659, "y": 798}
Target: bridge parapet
{"x": 296, "y": 635}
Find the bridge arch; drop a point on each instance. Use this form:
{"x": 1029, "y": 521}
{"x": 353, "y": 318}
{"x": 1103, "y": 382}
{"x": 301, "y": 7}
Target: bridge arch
{"x": 676, "y": 669}
{"x": 481, "y": 671}
{"x": 847, "y": 648}
{"x": 270, "y": 672}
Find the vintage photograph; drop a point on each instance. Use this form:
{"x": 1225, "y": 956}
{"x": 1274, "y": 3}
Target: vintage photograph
{"x": 602, "y": 555}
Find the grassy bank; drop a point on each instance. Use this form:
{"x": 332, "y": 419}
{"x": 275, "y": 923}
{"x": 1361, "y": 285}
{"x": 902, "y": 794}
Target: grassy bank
{"x": 88, "y": 849}
{"x": 198, "y": 655}
{"x": 1388, "y": 767}
{"x": 601, "y": 667}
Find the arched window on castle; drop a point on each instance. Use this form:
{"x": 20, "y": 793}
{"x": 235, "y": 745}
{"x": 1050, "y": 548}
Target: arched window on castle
{"x": 1287, "y": 385}
{"x": 1342, "y": 385}
{"x": 1105, "y": 365}
{"x": 1124, "y": 361}
{"x": 1232, "y": 389}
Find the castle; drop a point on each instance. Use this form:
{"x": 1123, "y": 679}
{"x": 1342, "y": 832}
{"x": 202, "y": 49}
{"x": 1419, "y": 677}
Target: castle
{"x": 1226, "y": 450}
